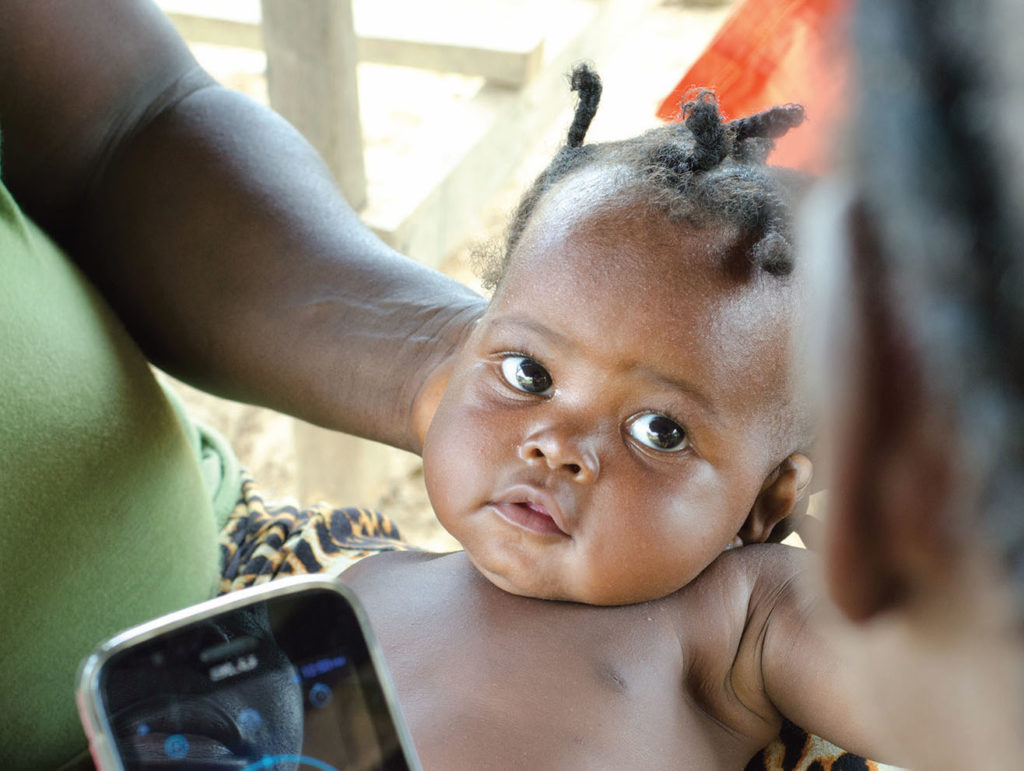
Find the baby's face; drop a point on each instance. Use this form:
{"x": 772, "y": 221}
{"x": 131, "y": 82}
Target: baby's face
{"x": 606, "y": 429}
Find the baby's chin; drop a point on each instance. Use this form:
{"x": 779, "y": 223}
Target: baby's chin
{"x": 534, "y": 589}
{"x": 541, "y": 590}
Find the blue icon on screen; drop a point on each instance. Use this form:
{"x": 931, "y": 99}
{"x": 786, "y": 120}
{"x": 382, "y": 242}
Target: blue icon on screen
{"x": 142, "y": 730}
{"x": 320, "y": 695}
{"x": 322, "y": 666}
{"x": 249, "y": 720}
{"x": 176, "y": 747}
{"x": 288, "y": 761}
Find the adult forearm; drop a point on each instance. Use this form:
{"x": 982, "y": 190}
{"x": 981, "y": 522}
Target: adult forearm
{"x": 221, "y": 240}
{"x": 210, "y": 225}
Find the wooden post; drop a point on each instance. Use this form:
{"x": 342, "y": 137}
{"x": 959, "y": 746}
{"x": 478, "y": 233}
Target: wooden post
{"x": 311, "y": 80}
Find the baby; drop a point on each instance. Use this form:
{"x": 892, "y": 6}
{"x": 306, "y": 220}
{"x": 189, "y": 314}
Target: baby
{"x": 625, "y": 410}
{"x": 622, "y": 414}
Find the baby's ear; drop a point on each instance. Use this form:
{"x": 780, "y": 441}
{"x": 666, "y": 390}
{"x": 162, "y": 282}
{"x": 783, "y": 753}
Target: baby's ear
{"x": 781, "y": 491}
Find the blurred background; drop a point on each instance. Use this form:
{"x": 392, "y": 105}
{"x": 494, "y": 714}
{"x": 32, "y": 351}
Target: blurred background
{"x": 434, "y": 116}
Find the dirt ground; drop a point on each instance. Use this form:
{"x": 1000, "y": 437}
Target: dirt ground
{"x": 647, "y": 61}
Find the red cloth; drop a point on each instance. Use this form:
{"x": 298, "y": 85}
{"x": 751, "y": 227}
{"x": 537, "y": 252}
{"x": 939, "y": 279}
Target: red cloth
{"x": 772, "y": 52}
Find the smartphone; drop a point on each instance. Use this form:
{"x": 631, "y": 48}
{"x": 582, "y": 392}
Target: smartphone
{"x": 286, "y": 675}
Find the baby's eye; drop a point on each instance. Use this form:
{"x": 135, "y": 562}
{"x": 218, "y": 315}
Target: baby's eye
{"x": 525, "y": 374}
{"x": 658, "y": 432}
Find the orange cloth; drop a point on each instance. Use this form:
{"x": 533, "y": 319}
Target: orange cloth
{"x": 772, "y": 52}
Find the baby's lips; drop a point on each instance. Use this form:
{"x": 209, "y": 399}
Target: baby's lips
{"x": 540, "y": 511}
{"x": 529, "y": 517}
{"x": 535, "y": 507}
{"x": 538, "y": 503}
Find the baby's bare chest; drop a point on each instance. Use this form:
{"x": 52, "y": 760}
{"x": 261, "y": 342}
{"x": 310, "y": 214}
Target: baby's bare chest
{"x": 551, "y": 701}
{"x": 496, "y": 680}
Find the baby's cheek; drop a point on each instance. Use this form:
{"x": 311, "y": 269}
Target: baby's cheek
{"x": 450, "y": 462}
{"x": 437, "y": 468}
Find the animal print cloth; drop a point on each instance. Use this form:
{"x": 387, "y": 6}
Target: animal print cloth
{"x": 261, "y": 542}
{"x": 797, "y": 750}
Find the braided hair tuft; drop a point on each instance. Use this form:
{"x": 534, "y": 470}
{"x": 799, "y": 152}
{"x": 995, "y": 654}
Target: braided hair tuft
{"x": 702, "y": 170}
{"x": 587, "y": 84}
{"x": 711, "y": 144}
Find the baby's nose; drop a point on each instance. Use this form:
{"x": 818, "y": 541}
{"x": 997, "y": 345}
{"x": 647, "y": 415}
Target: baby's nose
{"x": 561, "y": 453}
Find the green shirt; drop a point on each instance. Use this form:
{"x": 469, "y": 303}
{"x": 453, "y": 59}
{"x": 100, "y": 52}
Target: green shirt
{"x": 109, "y": 506}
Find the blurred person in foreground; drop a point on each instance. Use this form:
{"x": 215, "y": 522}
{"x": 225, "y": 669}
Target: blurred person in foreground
{"x": 926, "y": 509}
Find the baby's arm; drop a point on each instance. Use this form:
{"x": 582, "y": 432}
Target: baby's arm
{"x": 788, "y": 655}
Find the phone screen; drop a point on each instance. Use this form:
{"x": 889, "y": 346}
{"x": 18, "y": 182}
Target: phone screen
{"x": 284, "y": 683}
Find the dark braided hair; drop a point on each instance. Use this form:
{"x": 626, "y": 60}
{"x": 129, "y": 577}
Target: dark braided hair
{"x": 700, "y": 171}
{"x": 585, "y": 82}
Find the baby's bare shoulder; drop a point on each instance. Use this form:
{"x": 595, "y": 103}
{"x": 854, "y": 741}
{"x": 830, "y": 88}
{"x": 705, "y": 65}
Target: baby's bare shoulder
{"x": 722, "y": 615}
{"x": 742, "y": 576}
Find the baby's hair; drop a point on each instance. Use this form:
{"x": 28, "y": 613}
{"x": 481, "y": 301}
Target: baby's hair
{"x": 701, "y": 171}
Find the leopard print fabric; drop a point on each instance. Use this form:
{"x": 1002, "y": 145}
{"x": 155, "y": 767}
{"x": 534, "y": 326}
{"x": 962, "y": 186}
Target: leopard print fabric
{"x": 797, "y": 750}
{"x": 261, "y": 542}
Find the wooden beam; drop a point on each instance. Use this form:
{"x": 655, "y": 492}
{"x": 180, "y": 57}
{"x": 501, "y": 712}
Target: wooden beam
{"x": 469, "y": 48}
{"x": 495, "y": 39}
{"x": 507, "y": 68}
{"x": 311, "y": 80}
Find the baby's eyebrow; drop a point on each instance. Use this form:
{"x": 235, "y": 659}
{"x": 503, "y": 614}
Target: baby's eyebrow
{"x": 532, "y": 325}
{"x": 704, "y": 402}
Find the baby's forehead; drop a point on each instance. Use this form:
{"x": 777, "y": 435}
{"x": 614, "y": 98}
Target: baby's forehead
{"x": 617, "y": 202}
{"x": 608, "y": 230}
{"x": 669, "y": 283}
{"x": 603, "y": 221}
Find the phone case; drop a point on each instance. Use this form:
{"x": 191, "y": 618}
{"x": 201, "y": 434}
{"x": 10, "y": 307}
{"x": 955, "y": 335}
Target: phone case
{"x": 93, "y": 713}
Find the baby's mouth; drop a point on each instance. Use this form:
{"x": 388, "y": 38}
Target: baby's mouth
{"x": 529, "y": 516}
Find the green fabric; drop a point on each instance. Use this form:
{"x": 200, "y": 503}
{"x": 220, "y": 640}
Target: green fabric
{"x": 218, "y": 464}
{"x": 106, "y": 518}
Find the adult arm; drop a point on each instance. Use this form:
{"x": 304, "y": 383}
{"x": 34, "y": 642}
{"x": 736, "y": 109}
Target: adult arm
{"x": 211, "y": 226}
